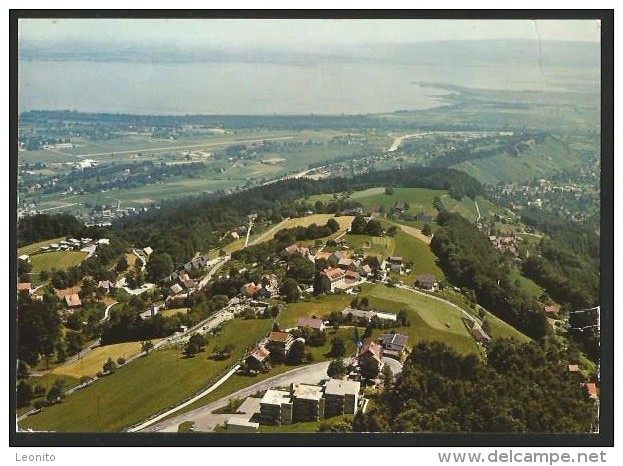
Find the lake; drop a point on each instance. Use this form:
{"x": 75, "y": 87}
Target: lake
{"x": 263, "y": 88}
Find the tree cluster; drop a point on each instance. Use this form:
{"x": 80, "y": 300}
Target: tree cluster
{"x": 470, "y": 261}
{"x": 521, "y": 388}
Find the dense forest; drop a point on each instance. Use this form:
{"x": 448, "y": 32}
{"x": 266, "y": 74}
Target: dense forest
{"x": 522, "y": 388}
{"x": 41, "y": 227}
{"x": 470, "y": 261}
{"x": 569, "y": 269}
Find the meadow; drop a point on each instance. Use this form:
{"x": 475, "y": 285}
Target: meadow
{"x": 147, "y": 386}
{"x": 58, "y": 260}
{"x": 91, "y": 363}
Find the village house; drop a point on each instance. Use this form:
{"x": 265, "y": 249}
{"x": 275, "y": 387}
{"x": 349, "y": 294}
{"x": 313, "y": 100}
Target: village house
{"x": 106, "y": 285}
{"x": 574, "y": 369}
{"x": 73, "y": 301}
{"x": 345, "y": 263}
{"x": 371, "y": 350}
{"x": 336, "y": 276}
{"x": 550, "y": 309}
{"x": 395, "y": 263}
{"x": 367, "y": 315}
{"x": 363, "y": 270}
{"x": 426, "y": 281}
{"x": 24, "y": 287}
{"x": 353, "y": 211}
{"x": 296, "y": 249}
{"x": 323, "y": 255}
{"x": 351, "y": 277}
{"x": 311, "y": 322}
{"x": 190, "y": 284}
{"x": 258, "y": 359}
{"x": 250, "y": 290}
{"x": 270, "y": 285}
{"x": 337, "y": 256}
{"x": 176, "y": 288}
{"x": 280, "y": 340}
{"x": 591, "y": 389}
{"x": 394, "y": 345}
{"x": 401, "y": 206}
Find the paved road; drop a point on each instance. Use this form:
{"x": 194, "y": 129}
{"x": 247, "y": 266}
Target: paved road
{"x": 107, "y": 312}
{"x": 204, "y": 281}
{"x": 206, "y": 421}
{"x": 465, "y": 313}
{"x": 263, "y": 237}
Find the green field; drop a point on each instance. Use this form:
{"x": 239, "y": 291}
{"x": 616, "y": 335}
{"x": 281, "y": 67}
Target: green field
{"x": 420, "y": 200}
{"x": 146, "y": 386}
{"x": 35, "y": 247}
{"x": 93, "y": 361}
{"x": 431, "y": 320}
{"x": 500, "y": 329}
{"x": 58, "y": 260}
{"x": 379, "y": 246}
{"x": 173, "y": 311}
{"x": 319, "y": 306}
{"x": 465, "y": 207}
{"x": 526, "y": 284}
{"x": 413, "y": 250}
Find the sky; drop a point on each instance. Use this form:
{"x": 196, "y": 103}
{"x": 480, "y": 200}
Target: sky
{"x": 298, "y": 33}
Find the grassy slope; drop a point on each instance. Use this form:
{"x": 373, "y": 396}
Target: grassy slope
{"x": 419, "y": 199}
{"x": 418, "y": 252}
{"x": 57, "y": 259}
{"x": 381, "y": 247}
{"x": 146, "y": 386}
{"x": 431, "y": 320}
{"x": 34, "y": 247}
{"x": 551, "y": 156}
{"x": 526, "y": 284}
{"x": 318, "y": 306}
{"x": 92, "y": 363}
{"x": 173, "y": 311}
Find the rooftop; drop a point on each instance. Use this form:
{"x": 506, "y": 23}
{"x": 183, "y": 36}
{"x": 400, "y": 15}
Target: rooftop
{"x": 73, "y": 300}
{"x": 342, "y": 387}
{"x": 276, "y": 397}
{"x": 260, "y": 353}
{"x": 309, "y": 322}
{"x": 240, "y": 421}
{"x": 308, "y": 392}
{"x": 25, "y": 286}
{"x": 279, "y": 336}
{"x": 334, "y": 273}
{"x": 396, "y": 339}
